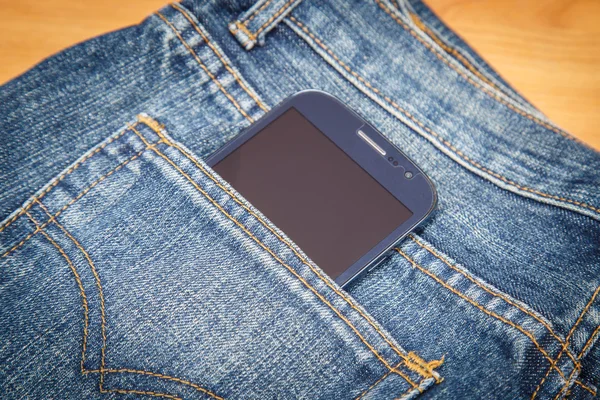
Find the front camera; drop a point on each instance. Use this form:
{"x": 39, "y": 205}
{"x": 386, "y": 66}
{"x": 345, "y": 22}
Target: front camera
{"x": 408, "y": 175}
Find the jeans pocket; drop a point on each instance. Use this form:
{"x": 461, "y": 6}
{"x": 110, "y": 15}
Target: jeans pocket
{"x": 147, "y": 274}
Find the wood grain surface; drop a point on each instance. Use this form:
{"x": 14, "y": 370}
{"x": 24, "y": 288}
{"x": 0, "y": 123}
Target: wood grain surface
{"x": 548, "y": 49}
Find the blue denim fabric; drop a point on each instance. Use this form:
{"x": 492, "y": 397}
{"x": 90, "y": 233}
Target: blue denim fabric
{"x": 130, "y": 269}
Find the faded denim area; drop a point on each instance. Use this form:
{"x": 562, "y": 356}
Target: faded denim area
{"x": 130, "y": 269}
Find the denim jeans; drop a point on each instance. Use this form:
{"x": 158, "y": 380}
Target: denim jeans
{"x": 130, "y": 269}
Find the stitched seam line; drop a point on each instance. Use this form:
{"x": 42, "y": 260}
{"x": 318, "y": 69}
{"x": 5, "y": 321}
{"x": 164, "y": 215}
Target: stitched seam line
{"x": 360, "y": 396}
{"x": 509, "y": 301}
{"x": 102, "y": 370}
{"x": 583, "y": 386}
{"x": 141, "y": 392}
{"x": 157, "y": 129}
{"x": 589, "y": 341}
{"x": 438, "y": 137}
{"x": 452, "y": 51}
{"x": 583, "y": 313}
{"x": 255, "y": 13}
{"x": 62, "y": 176}
{"x": 274, "y": 16}
{"x": 299, "y": 277}
{"x": 206, "y": 70}
{"x": 218, "y": 54}
{"x": 486, "y": 311}
{"x": 80, "y": 195}
{"x": 79, "y": 284}
{"x": 470, "y": 80}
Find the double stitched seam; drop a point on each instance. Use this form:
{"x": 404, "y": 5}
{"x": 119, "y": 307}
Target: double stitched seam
{"x": 446, "y": 143}
{"x": 157, "y": 128}
{"x": 206, "y": 70}
{"x": 469, "y": 79}
{"x": 261, "y": 244}
{"x": 274, "y": 16}
{"x": 220, "y": 56}
{"x": 61, "y": 177}
{"x": 102, "y": 370}
{"x": 583, "y": 313}
{"x": 86, "y": 320}
{"x": 256, "y": 12}
{"x": 503, "y": 297}
{"x": 486, "y": 311}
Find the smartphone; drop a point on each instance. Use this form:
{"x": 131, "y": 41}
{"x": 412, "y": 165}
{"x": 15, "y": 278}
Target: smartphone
{"x": 329, "y": 180}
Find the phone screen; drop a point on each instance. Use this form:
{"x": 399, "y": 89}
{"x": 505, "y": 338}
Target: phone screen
{"x": 313, "y": 191}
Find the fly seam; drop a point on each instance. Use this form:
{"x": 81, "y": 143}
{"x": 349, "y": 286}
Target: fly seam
{"x": 299, "y": 277}
{"x": 256, "y": 12}
{"x": 206, "y": 70}
{"x": 438, "y": 137}
{"x": 469, "y": 79}
{"x": 80, "y": 195}
{"x": 583, "y": 313}
{"x": 486, "y": 311}
{"x": 157, "y": 128}
{"x": 220, "y": 56}
{"x": 79, "y": 284}
{"x": 274, "y": 16}
{"x": 62, "y": 176}
{"x": 503, "y": 297}
{"x": 360, "y": 396}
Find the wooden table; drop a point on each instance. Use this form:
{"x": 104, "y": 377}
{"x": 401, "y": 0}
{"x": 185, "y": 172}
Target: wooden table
{"x": 548, "y": 49}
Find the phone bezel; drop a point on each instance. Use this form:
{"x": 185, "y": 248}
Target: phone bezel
{"x": 340, "y": 124}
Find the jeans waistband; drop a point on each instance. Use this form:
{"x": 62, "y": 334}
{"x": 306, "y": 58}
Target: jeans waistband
{"x": 391, "y": 56}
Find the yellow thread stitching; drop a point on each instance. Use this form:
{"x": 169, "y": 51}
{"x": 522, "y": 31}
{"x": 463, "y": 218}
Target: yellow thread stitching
{"x": 341, "y": 316}
{"x": 470, "y": 80}
{"x": 255, "y": 13}
{"x": 214, "y": 79}
{"x": 241, "y": 27}
{"x": 141, "y": 392}
{"x": 225, "y": 64}
{"x": 98, "y": 284}
{"x": 157, "y": 129}
{"x": 583, "y": 386}
{"x": 434, "y": 253}
{"x": 360, "y": 396}
{"x": 479, "y": 306}
{"x": 277, "y": 14}
{"x": 589, "y": 341}
{"x": 444, "y": 141}
{"x": 585, "y": 310}
{"x": 80, "y": 195}
{"x": 79, "y": 284}
{"x": 422, "y": 367}
{"x": 450, "y": 50}
{"x": 62, "y": 176}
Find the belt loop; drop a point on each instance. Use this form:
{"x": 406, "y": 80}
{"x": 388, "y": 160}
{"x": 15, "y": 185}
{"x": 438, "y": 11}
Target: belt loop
{"x": 252, "y": 26}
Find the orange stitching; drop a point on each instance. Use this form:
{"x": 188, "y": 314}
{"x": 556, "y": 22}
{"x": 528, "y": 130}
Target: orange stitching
{"x": 62, "y": 176}
{"x": 452, "y": 51}
{"x": 185, "y": 175}
{"x": 470, "y": 80}
{"x": 444, "y": 141}
{"x": 479, "y": 306}
{"x": 142, "y": 392}
{"x": 79, "y": 283}
{"x": 255, "y": 13}
{"x": 360, "y": 396}
{"x": 225, "y": 64}
{"x": 585, "y": 310}
{"x": 241, "y": 27}
{"x": 157, "y": 129}
{"x": 80, "y": 195}
{"x": 98, "y": 284}
{"x": 214, "y": 79}
{"x": 589, "y": 341}
{"x": 433, "y": 252}
{"x": 274, "y": 16}
{"x": 583, "y": 386}
{"x": 422, "y": 367}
